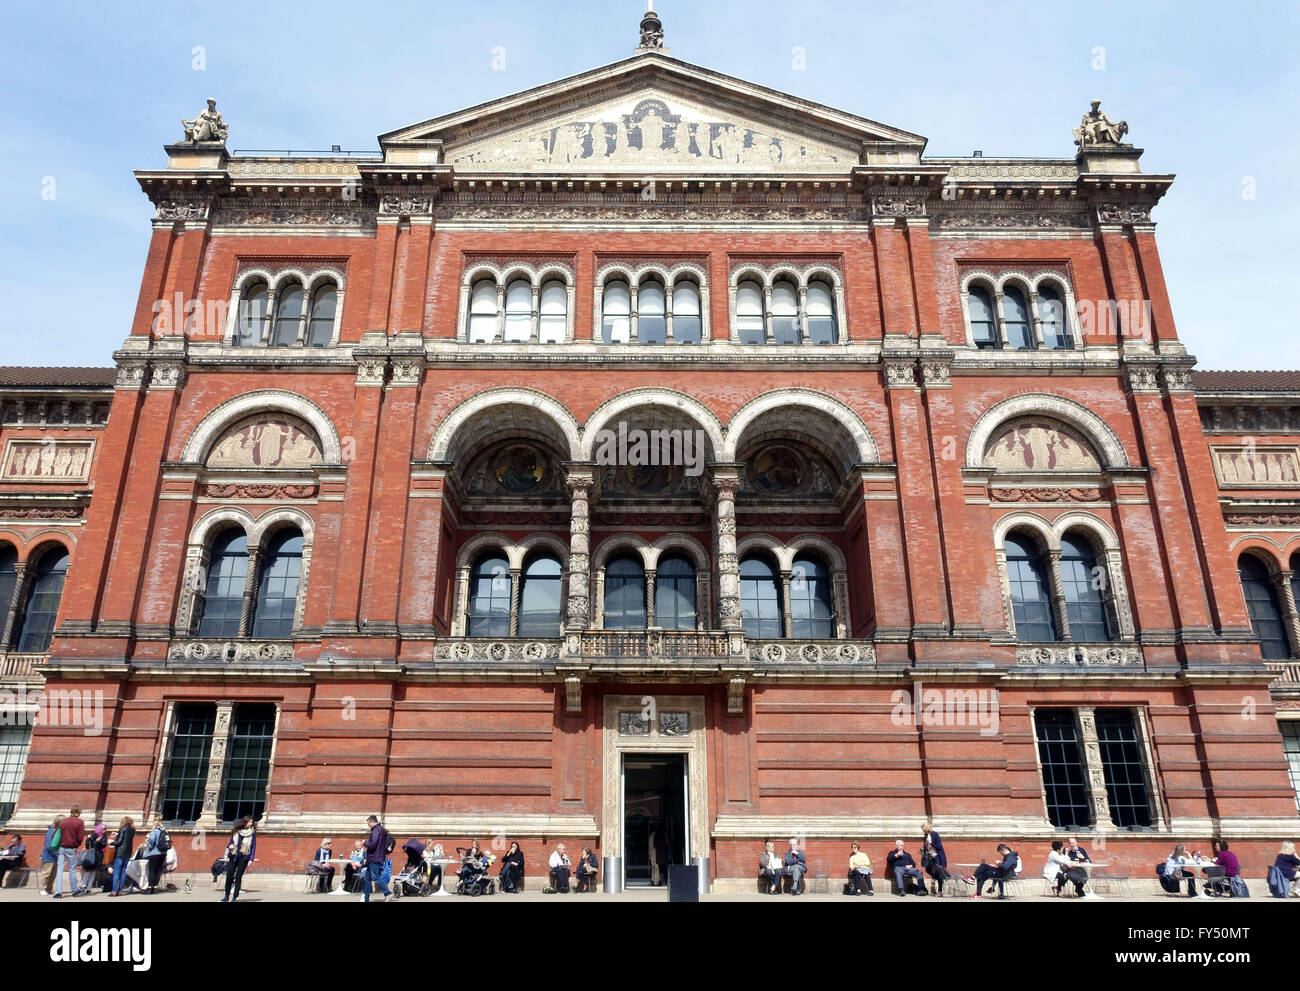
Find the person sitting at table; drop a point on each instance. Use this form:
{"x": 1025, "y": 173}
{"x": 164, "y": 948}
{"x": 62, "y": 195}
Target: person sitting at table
{"x": 1226, "y": 859}
{"x": 771, "y": 868}
{"x": 1060, "y": 868}
{"x": 1176, "y": 870}
{"x": 560, "y": 867}
{"x": 1005, "y": 869}
{"x": 511, "y": 876}
{"x": 902, "y": 866}
{"x": 356, "y": 862}
{"x": 13, "y": 857}
{"x": 1076, "y": 852}
{"x": 1289, "y": 864}
{"x": 433, "y": 853}
{"x": 321, "y": 867}
{"x": 586, "y": 870}
{"x": 859, "y": 871}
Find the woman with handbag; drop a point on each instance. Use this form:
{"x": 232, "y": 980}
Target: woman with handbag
{"x": 92, "y": 858}
{"x": 123, "y": 840}
{"x": 239, "y": 854}
{"x": 934, "y": 861}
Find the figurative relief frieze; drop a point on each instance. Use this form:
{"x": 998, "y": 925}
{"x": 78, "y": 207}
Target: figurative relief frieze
{"x": 266, "y": 442}
{"x": 56, "y": 461}
{"x": 1039, "y": 445}
{"x": 1252, "y": 465}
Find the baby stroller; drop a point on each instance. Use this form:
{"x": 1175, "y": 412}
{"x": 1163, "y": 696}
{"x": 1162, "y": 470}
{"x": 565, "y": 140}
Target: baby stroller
{"x": 413, "y": 879}
{"x": 472, "y": 877}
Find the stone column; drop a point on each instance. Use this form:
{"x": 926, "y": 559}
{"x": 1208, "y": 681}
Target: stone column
{"x": 516, "y": 592}
{"x": 1290, "y": 616}
{"x": 459, "y": 619}
{"x": 787, "y": 620}
{"x": 1093, "y": 771}
{"x": 221, "y": 729}
{"x": 14, "y": 606}
{"x": 1058, "y": 595}
{"x": 631, "y": 321}
{"x": 579, "y": 480}
{"x": 650, "y": 597}
{"x": 500, "y": 335}
{"x": 768, "y": 336}
{"x": 803, "y": 314}
{"x": 726, "y": 480}
{"x": 840, "y": 603}
{"x": 668, "y": 314}
{"x": 249, "y": 605}
{"x": 598, "y": 606}
{"x": 535, "y": 320}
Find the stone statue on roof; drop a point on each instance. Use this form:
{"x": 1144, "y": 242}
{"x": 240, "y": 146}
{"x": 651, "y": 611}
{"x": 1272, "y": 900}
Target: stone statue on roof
{"x": 1098, "y": 129}
{"x": 207, "y": 126}
{"x": 652, "y": 29}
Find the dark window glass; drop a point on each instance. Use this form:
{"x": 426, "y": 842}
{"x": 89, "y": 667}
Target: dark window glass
{"x": 616, "y": 314}
{"x": 810, "y": 599}
{"x": 252, "y": 316}
{"x": 1084, "y": 581}
{"x": 43, "y": 598}
{"x": 1062, "y": 762}
{"x": 248, "y": 768}
{"x": 625, "y": 594}
{"x": 277, "y": 589}
{"x": 675, "y": 594}
{"x": 227, "y": 577}
{"x": 8, "y": 579}
{"x": 320, "y": 329}
{"x": 1019, "y": 330}
{"x": 15, "y": 741}
{"x": 1031, "y": 604}
{"x": 1262, "y": 604}
{"x": 539, "y": 599}
{"x": 760, "y": 601}
{"x": 822, "y": 325}
{"x": 489, "y": 598}
{"x": 785, "y": 313}
{"x": 187, "y": 768}
{"x": 688, "y": 326}
{"x": 749, "y": 313}
{"x": 1051, "y": 313}
{"x": 651, "y": 314}
{"x": 983, "y": 323}
{"x": 288, "y": 313}
{"x": 1291, "y": 749}
{"x": 1121, "y": 758}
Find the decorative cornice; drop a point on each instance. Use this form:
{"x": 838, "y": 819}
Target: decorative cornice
{"x": 1047, "y": 494}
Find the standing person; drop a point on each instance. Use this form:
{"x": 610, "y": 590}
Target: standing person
{"x": 72, "y": 835}
{"x": 93, "y": 858}
{"x": 433, "y": 852}
{"x": 796, "y": 865}
{"x": 902, "y": 866}
{"x": 560, "y": 867}
{"x": 376, "y": 847}
{"x": 123, "y": 841}
{"x": 240, "y": 852}
{"x": 587, "y": 869}
{"x": 156, "y": 845}
{"x": 770, "y": 868}
{"x": 12, "y": 857}
{"x": 512, "y": 870}
{"x": 50, "y": 856}
{"x": 659, "y": 854}
{"x": 859, "y": 871}
{"x": 934, "y": 861}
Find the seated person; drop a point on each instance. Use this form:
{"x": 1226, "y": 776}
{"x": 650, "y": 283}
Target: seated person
{"x": 902, "y": 866}
{"x": 321, "y": 867}
{"x": 12, "y": 857}
{"x": 796, "y": 865}
{"x": 586, "y": 870}
{"x": 1289, "y": 864}
{"x": 859, "y": 871}
{"x": 1175, "y": 871}
{"x": 771, "y": 868}
{"x": 1007, "y": 868}
{"x": 560, "y": 867}
{"x": 512, "y": 870}
{"x": 354, "y": 872}
{"x": 433, "y": 852}
{"x": 1226, "y": 859}
{"x": 1059, "y": 869}
{"x": 1076, "y": 852}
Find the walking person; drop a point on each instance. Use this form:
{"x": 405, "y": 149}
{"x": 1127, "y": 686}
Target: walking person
{"x": 72, "y": 833}
{"x": 156, "y": 845}
{"x": 49, "y": 856}
{"x": 934, "y": 861}
{"x": 123, "y": 842}
{"x": 377, "y": 850}
{"x": 240, "y": 852}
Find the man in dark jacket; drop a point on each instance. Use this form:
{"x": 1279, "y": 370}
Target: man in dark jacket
{"x": 796, "y": 865}
{"x": 902, "y": 866}
{"x": 73, "y": 835}
{"x": 988, "y": 872}
{"x": 376, "y": 853}
{"x": 12, "y": 857}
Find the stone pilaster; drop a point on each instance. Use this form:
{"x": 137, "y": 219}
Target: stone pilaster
{"x": 1093, "y": 771}
{"x": 579, "y": 480}
{"x": 221, "y": 731}
{"x": 726, "y": 481}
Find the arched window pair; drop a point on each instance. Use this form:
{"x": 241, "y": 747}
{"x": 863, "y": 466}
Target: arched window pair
{"x": 1081, "y": 612}
{"x": 781, "y": 322}
{"x": 1015, "y": 326}
{"x": 31, "y": 606}
{"x": 1264, "y": 594}
{"x": 648, "y": 318}
{"x": 626, "y": 604}
{"x": 264, "y": 607}
{"x": 294, "y": 318}
{"x": 507, "y": 314}
{"x": 492, "y": 610}
{"x": 762, "y": 602}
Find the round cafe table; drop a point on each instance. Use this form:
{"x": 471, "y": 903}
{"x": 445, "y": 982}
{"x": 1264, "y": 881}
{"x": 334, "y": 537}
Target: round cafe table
{"x": 442, "y": 891}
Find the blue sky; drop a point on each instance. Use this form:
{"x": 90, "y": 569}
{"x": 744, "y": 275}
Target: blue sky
{"x": 90, "y": 91}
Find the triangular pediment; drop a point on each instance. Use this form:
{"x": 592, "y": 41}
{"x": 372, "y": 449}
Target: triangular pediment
{"x": 649, "y": 113}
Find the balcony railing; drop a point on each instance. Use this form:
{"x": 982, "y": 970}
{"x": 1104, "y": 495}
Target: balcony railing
{"x": 1080, "y": 655}
{"x": 1288, "y": 673}
{"x": 664, "y": 645}
{"x": 20, "y": 665}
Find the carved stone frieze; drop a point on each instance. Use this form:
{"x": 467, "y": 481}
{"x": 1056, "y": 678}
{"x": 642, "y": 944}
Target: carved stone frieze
{"x": 231, "y": 651}
{"x": 1078, "y": 655}
{"x": 1046, "y": 494}
{"x": 218, "y": 490}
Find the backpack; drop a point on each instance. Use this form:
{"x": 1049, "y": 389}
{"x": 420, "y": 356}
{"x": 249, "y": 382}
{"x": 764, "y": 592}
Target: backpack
{"x": 55, "y": 838}
{"x": 1276, "y": 882}
{"x": 1238, "y": 887}
{"x": 390, "y": 844}
{"x": 164, "y": 841}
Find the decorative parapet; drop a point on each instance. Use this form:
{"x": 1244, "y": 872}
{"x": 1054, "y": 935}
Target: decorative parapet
{"x": 666, "y": 646}
{"x": 484, "y": 651}
{"x": 231, "y": 651}
{"x": 1288, "y": 676}
{"x": 21, "y": 666}
{"x": 766, "y": 652}
{"x": 1079, "y": 655}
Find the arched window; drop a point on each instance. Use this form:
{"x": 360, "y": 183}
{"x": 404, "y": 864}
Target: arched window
{"x": 277, "y": 591}
{"x": 223, "y": 597}
{"x": 625, "y": 593}
{"x": 1031, "y": 604}
{"x": 822, "y": 328}
{"x": 539, "y": 599}
{"x": 1262, "y": 604}
{"x": 43, "y": 599}
{"x": 760, "y": 602}
{"x": 489, "y": 597}
{"x": 252, "y": 316}
{"x": 675, "y": 594}
{"x": 519, "y": 312}
{"x": 8, "y": 580}
{"x": 1084, "y": 582}
{"x": 983, "y": 322}
{"x": 749, "y": 313}
{"x": 483, "y": 313}
{"x": 288, "y": 315}
{"x": 554, "y": 318}
{"x": 810, "y": 599}
{"x": 1019, "y": 331}
{"x": 651, "y": 313}
{"x": 688, "y": 328}
{"x": 785, "y": 313}
{"x": 1051, "y": 315}
{"x": 616, "y": 314}
{"x": 320, "y": 329}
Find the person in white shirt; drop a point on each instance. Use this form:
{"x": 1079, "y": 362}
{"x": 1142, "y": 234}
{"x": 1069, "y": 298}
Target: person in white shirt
{"x": 560, "y": 867}
{"x": 1176, "y": 871}
{"x": 1060, "y": 868}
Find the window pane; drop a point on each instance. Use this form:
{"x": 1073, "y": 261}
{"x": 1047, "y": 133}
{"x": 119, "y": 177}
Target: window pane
{"x": 519, "y": 311}
{"x": 749, "y": 313}
{"x": 785, "y": 313}
{"x": 1051, "y": 312}
{"x": 277, "y": 594}
{"x": 252, "y": 316}
{"x": 8, "y": 579}
{"x": 1121, "y": 758}
{"x": 651, "y": 321}
{"x": 1085, "y": 604}
{"x": 760, "y": 602}
{"x": 320, "y": 331}
{"x": 688, "y": 328}
{"x": 1262, "y": 604}
{"x": 1291, "y": 749}
{"x": 187, "y": 769}
{"x": 1020, "y": 333}
{"x": 982, "y": 323}
{"x": 248, "y": 766}
{"x": 288, "y": 311}
{"x": 554, "y": 318}
{"x": 625, "y": 594}
{"x": 1030, "y": 603}
{"x": 1062, "y": 762}
{"x": 43, "y": 598}
{"x": 539, "y": 602}
{"x": 489, "y": 598}
{"x": 810, "y": 599}
{"x": 675, "y": 594}
{"x": 227, "y": 577}
{"x": 616, "y": 310}
{"x": 822, "y": 327}
{"x": 15, "y": 741}
{"x": 483, "y": 313}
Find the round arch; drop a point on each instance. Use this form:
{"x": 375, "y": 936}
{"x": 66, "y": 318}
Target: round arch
{"x": 640, "y": 399}
{"x": 863, "y": 447}
{"x": 1093, "y": 427}
{"x": 540, "y": 403}
{"x": 269, "y": 401}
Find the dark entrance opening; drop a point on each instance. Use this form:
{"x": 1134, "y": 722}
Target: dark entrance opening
{"x": 654, "y": 816}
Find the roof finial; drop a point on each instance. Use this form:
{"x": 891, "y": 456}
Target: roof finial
{"x": 652, "y": 31}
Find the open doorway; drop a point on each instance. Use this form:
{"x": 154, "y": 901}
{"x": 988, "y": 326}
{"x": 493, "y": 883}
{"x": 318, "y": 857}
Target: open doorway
{"x": 654, "y": 816}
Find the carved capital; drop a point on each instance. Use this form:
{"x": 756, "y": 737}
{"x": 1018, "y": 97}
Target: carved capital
{"x": 900, "y": 373}
{"x": 936, "y": 373}
{"x": 891, "y": 203}
{"x": 1142, "y": 379}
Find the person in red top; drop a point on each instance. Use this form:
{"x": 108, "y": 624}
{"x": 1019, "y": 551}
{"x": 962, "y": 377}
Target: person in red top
{"x": 73, "y": 835}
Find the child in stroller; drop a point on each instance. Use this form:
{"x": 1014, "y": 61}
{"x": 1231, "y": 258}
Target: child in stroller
{"x": 472, "y": 877}
{"x": 414, "y": 877}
